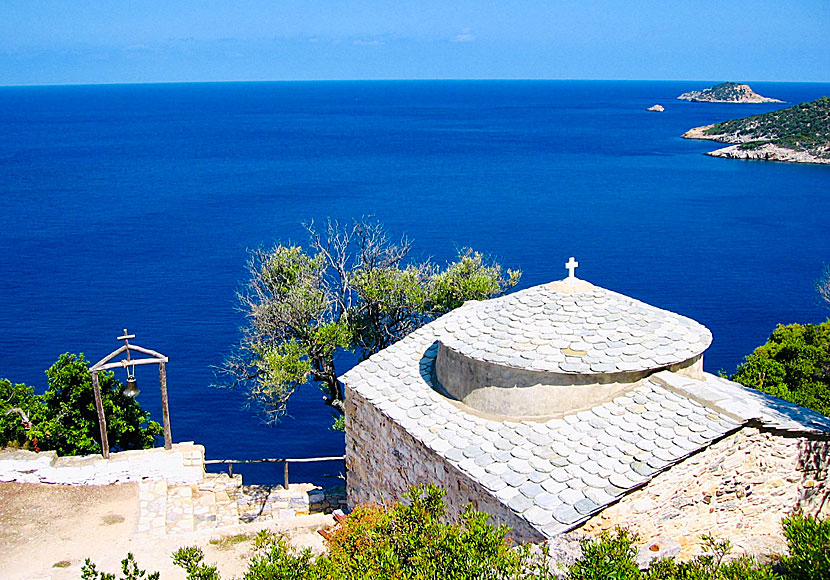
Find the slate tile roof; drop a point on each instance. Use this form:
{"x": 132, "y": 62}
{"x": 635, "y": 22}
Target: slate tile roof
{"x": 557, "y": 473}
{"x": 590, "y": 331}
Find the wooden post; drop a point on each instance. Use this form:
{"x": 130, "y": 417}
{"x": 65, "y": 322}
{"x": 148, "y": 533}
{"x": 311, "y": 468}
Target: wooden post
{"x": 286, "y": 473}
{"x": 165, "y": 411}
{"x": 102, "y": 421}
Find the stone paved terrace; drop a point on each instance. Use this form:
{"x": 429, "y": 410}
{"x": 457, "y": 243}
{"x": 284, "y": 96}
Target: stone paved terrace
{"x": 573, "y": 327}
{"x": 557, "y": 473}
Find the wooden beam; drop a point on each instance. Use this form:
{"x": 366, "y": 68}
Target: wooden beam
{"x": 128, "y": 363}
{"x": 109, "y": 357}
{"x": 102, "y": 421}
{"x": 165, "y": 411}
{"x": 102, "y": 364}
{"x": 147, "y": 351}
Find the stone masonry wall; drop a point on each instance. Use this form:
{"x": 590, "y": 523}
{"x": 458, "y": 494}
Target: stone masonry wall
{"x": 184, "y": 463}
{"x": 739, "y": 488}
{"x": 383, "y": 462}
{"x": 270, "y": 502}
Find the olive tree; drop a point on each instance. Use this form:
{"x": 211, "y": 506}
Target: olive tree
{"x": 352, "y": 288}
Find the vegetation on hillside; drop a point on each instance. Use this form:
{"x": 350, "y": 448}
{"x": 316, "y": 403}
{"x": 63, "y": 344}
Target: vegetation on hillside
{"x": 64, "y": 418}
{"x": 793, "y": 364}
{"x": 415, "y": 542}
{"x": 726, "y": 92}
{"x": 353, "y": 289}
{"x": 804, "y": 127}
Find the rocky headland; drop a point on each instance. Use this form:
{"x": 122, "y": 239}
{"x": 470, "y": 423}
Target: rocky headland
{"x": 799, "y": 134}
{"x": 726, "y": 93}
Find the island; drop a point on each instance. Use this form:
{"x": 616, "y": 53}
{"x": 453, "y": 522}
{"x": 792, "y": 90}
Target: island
{"x": 799, "y": 134}
{"x": 656, "y": 108}
{"x": 726, "y": 93}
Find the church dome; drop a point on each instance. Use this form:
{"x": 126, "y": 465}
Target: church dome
{"x": 559, "y": 346}
{"x": 575, "y": 329}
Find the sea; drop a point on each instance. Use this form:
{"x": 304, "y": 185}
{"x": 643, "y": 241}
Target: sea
{"x": 135, "y": 206}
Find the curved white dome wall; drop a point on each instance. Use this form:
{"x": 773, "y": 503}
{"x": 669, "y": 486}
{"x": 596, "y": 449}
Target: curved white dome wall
{"x": 560, "y": 347}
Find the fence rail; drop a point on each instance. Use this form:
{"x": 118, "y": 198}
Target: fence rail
{"x": 284, "y": 460}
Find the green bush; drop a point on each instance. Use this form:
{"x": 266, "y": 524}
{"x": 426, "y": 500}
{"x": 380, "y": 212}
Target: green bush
{"x": 711, "y": 566}
{"x": 129, "y": 570}
{"x": 794, "y": 364}
{"x": 412, "y": 541}
{"x": 64, "y": 418}
{"x": 16, "y": 399}
{"x": 610, "y": 556}
{"x": 808, "y": 543}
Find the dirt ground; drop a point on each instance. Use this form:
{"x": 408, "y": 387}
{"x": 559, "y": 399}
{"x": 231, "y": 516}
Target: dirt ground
{"x": 47, "y": 531}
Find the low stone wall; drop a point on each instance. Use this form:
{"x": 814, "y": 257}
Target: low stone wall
{"x": 737, "y": 489}
{"x": 382, "y": 473}
{"x": 184, "y": 463}
{"x": 268, "y": 502}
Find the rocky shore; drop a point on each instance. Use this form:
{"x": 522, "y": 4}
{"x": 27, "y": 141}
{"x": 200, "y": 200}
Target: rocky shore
{"x": 765, "y": 152}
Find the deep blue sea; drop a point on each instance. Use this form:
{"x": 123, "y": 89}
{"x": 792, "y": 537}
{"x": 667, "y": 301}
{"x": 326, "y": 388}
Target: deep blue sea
{"x": 134, "y": 206}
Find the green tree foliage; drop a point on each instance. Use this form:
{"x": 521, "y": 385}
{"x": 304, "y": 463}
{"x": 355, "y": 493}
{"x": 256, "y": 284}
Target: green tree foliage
{"x": 18, "y": 404}
{"x": 794, "y": 364}
{"x": 808, "y": 543}
{"x": 64, "y": 418}
{"x": 609, "y": 556}
{"x": 351, "y": 289}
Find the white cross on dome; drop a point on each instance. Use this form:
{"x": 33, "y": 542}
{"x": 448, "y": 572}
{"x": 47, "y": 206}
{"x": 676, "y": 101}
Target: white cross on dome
{"x": 571, "y": 265}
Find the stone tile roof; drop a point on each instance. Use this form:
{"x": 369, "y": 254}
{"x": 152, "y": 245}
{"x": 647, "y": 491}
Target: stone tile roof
{"x": 746, "y": 404}
{"x": 559, "y": 472}
{"x": 574, "y": 329}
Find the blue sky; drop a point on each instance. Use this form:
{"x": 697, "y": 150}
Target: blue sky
{"x": 78, "y": 41}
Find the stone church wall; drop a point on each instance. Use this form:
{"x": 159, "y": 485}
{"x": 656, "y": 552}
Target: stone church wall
{"x": 738, "y": 489}
{"x": 383, "y": 462}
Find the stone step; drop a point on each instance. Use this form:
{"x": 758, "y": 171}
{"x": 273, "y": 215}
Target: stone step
{"x": 220, "y": 500}
{"x": 179, "y": 517}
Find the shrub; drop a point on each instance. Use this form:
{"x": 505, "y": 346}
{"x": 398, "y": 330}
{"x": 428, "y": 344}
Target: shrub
{"x": 612, "y": 556}
{"x": 15, "y": 399}
{"x": 412, "y": 541}
{"x": 711, "y": 566}
{"x": 794, "y": 364}
{"x": 808, "y": 543}
{"x": 191, "y": 559}
{"x": 129, "y": 570}
{"x": 64, "y": 418}
{"x": 274, "y": 559}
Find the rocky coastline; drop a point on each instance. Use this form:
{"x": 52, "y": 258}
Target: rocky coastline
{"x": 765, "y": 152}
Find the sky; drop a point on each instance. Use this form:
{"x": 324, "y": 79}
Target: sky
{"x": 123, "y": 41}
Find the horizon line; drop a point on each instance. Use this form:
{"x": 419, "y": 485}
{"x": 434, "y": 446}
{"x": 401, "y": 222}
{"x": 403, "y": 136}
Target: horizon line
{"x": 335, "y": 80}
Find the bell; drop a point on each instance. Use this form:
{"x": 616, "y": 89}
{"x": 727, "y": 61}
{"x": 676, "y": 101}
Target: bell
{"x": 131, "y": 390}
